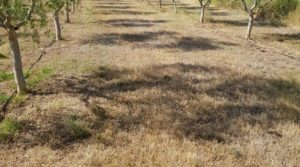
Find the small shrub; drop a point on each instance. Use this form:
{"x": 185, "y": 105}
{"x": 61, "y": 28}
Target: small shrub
{"x": 277, "y": 10}
{"x": 281, "y": 8}
{"x": 8, "y": 129}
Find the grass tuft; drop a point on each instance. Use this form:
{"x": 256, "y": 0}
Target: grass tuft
{"x": 39, "y": 76}
{"x": 5, "y": 76}
{"x": 18, "y": 100}
{"x": 76, "y": 129}
{"x": 8, "y": 129}
{"x": 3, "y": 98}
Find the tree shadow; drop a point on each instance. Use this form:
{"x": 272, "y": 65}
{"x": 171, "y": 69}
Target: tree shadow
{"x": 119, "y": 38}
{"x": 218, "y": 13}
{"x": 190, "y": 44}
{"x": 240, "y": 23}
{"x": 159, "y": 40}
{"x": 112, "y": 7}
{"x": 188, "y": 101}
{"x": 61, "y": 131}
{"x": 282, "y": 37}
{"x": 124, "y": 12}
{"x": 133, "y": 22}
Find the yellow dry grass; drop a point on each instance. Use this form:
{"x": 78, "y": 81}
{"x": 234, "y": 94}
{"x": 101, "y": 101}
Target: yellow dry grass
{"x": 134, "y": 85}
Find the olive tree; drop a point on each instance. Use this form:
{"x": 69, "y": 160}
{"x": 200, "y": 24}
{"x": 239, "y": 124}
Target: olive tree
{"x": 174, "y": 5}
{"x": 73, "y": 5}
{"x": 67, "y": 9}
{"x": 15, "y": 14}
{"x": 203, "y": 5}
{"x": 56, "y": 7}
{"x": 68, "y": 3}
{"x": 252, "y": 9}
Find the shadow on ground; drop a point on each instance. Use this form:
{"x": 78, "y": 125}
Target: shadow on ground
{"x": 122, "y": 12}
{"x": 194, "y": 102}
{"x": 112, "y": 7}
{"x": 159, "y": 39}
{"x": 243, "y": 23}
{"x": 132, "y": 22}
{"x": 282, "y": 37}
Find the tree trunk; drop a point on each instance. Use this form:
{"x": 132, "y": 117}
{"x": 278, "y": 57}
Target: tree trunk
{"x": 175, "y": 6}
{"x": 17, "y": 61}
{"x": 67, "y": 13}
{"x": 250, "y": 25}
{"x": 202, "y": 14}
{"x": 148, "y": 2}
{"x": 160, "y": 3}
{"x": 57, "y": 28}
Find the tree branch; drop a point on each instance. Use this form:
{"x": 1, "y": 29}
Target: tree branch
{"x": 2, "y": 23}
{"x": 263, "y": 6}
{"x": 207, "y": 3}
{"x": 201, "y": 3}
{"x": 28, "y": 17}
{"x": 255, "y": 4}
{"x": 245, "y": 5}
{"x": 2, "y": 16}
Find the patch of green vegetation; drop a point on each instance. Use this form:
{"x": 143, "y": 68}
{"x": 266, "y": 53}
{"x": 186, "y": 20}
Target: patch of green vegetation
{"x": 3, "y": 98}
{"x": 77, "y": 129}
{"x": 18, "y": 100}
{"x": 5, "y": 76}
{"x": 8, "y": 129}
{"x": 39, "y": 76}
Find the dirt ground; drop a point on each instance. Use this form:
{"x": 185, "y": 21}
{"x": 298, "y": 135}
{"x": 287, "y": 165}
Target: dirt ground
{"x": 135, "y": 85}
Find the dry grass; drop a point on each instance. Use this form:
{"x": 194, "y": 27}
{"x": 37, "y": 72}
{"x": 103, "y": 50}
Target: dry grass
{"x": 145, "y": 87}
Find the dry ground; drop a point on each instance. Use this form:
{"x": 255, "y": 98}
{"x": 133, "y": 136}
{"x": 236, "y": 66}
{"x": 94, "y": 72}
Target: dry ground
{"x": 134, "y": 85}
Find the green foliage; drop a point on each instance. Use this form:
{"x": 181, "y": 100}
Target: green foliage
{"x": 56, "y": 5}
{"x": 39, "y": 76}
{"x": 4, "y": 76}
{"x": 279, "y": 9}
{"x": 8, "y": 129}
{"x": 18, "y": 100}
{"x": 18, "y": 11}
{"x": 21, "y": 12}
{"x": 3, "y": 98}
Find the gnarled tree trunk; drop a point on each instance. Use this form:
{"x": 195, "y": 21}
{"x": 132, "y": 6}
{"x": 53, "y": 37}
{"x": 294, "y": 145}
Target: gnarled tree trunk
{"x": 202, "y": 14}
{"x": 250, "y": 26}
{"x": 57, "y": 28}
{"x": 175, "y": 6}
{"x": 73, "y": 7}
{"x": 67, "y": 12}
{"x": 17, "y": 61}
